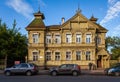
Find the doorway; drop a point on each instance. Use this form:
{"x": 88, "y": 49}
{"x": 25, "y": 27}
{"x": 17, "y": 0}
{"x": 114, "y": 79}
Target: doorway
{"x": 99, "y": 60}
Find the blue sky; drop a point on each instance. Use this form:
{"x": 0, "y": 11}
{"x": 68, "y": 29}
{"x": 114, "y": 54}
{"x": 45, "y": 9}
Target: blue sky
{"x": 107, "y": 12}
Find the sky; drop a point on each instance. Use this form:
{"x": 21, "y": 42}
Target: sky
{"x": 107, "y": 12}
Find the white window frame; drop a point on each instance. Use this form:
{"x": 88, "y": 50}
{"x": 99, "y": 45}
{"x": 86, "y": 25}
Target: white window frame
{"x": 48, "y": 39}
{"x": 35, "y": 55}
{"x": 57, "y": 39}
{"x": 88, "y": 55}
{"x": 68, "y": 55}
{"x": 57, "y": 56}
{"x": 68, "y": 38}
{"x": 88, "y": 38}
{"x": 48, "y": 56}
{"x": 78, "y": 55}
{"x": 78, "y": 38}
{"x": 35, "y": 37}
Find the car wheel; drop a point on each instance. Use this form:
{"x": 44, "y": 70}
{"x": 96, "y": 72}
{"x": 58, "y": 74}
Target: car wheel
{"x": 7, "y": 73}
{"x": 117, "y": 74}
{"x": 54, "y": 73}
{"x": 75, "y": 73}
{"x": 28, "y": 73}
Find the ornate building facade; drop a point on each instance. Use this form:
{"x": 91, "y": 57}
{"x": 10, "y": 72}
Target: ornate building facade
{"x": 78, "y": 40}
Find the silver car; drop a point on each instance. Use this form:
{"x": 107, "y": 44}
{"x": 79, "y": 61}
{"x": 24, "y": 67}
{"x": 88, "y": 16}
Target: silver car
{"x": 23, "y": 68}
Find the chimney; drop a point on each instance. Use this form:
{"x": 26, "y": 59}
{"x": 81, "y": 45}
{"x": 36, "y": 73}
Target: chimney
{"x": 63, "y": 20}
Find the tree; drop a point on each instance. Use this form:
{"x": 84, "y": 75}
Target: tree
{"x": 13, "y": 44}
{"x": 113, "y": 43}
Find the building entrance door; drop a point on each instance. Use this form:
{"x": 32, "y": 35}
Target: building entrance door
{"x": 99, "y": 65}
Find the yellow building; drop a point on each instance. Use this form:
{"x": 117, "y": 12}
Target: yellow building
{"x": 78, "y": 40}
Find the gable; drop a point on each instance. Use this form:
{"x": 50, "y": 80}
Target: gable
{"x": 79, "y": 22}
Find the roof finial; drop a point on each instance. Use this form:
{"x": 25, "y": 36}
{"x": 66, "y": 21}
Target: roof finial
{"x": 79, "y": 10}
{"x": 38, "y": 6}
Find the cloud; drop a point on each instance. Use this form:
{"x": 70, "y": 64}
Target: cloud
{"x": 111, "y": 2}
{"x": 116, "y": 31}
{"x": 20, "y": 6}
{"x": 112, "y": 12}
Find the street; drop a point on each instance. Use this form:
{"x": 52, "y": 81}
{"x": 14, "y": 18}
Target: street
{"x": 60, "y": 78}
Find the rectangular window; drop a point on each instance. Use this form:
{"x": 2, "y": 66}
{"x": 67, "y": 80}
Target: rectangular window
{"x": 57, "y": 39}
{"x": 78, "y": 38}
{"x": 78, "y": 55}
{"x": 48, "y": 56}
{"x": 35, "y": 38}
{"x": 48, "y": 39}
{"x": 88, "y": 55}
{"x": 57, "y": 56}
{"x": 68, "y": 38}
{"x": 88, "y": 38}
{"x": 68, "y": 55}
{"x": 98, "y": 40}
{"x": 35, "y": 56}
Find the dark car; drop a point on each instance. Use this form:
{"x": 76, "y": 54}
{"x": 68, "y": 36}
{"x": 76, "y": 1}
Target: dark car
{"x": 73, "y": 69}
{"x": 114, "y": 71}
{"x": 23, "y": 68}
{"x": 114, "y": 66}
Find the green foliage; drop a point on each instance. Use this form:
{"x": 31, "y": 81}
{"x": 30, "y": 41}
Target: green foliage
{"x": 12, "y": 43}
{"x": 114, "y": 44}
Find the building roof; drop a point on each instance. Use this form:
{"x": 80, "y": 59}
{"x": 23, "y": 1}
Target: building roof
{"x": 37, "y": 22}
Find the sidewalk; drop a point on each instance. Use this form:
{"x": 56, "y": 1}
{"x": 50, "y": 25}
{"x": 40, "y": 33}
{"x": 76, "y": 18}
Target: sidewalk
{"x": 83, "y": 72}
{"x": 93, "y": 72}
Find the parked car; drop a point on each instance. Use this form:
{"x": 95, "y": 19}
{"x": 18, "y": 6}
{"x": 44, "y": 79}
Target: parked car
{"x": 73, "y": 69}
{"x": 23, "y": 68}
{"x": 114, "y": 71}
{"x": 108, "y": 71}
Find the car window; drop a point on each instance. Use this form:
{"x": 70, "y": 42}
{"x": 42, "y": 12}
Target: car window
{"x": 63, "y": 66}
{"x": 24, "y": 66}
{"x": 31, "y": 65}
{"x": 71, "y": 66}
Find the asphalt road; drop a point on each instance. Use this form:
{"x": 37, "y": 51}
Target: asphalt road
{"x": 61, "y": 78}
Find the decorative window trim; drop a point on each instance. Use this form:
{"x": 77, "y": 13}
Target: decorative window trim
{"x": 57, "y": 57}
{"x": 35, "y": 56}
{"x": 78, "y": 40}
{"x": 68, "y": 56}
{"x": 35, "y": 39}
{"x": 68, "y": 40}
{"x": 88, "y": 39}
